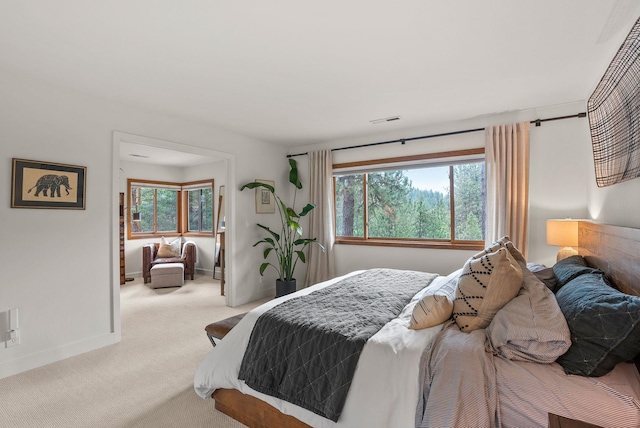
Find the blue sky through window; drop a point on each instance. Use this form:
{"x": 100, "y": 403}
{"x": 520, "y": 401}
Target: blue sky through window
{"x": 435, "y": 178}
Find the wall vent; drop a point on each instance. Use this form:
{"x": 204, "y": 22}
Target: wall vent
{"x": 384, "y": 120}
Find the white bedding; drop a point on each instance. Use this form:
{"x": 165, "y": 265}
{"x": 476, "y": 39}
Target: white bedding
{"x": 384, "y": 391}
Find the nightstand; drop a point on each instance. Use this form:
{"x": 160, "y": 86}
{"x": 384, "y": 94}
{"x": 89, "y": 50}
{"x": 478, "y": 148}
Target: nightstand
{"x": 556, "y": 421}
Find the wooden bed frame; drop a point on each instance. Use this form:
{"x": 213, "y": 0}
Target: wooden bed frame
{"x": 612, "y": 249}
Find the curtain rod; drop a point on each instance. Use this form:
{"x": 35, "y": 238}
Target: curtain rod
{"x": 537, "y": 122}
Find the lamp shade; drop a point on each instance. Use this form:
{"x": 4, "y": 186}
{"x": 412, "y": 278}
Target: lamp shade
{"x": 562, "y": 233}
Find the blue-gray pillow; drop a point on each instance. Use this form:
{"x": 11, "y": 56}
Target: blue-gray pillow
{"x": 548, "y": 278}
{"x": 604, "y": 325}
{"x": 570, "y": 268}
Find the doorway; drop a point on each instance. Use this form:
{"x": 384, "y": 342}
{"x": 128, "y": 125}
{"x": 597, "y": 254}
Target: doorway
{"x": 173, "y": 152}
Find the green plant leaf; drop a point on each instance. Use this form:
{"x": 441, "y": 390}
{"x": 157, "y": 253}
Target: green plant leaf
{"x": 263, "y": 266}
{"x": 291, "y": 213}
{"x": 255, "y": 184}
{"x": 267, "y": 251}
{"x": 293, "y": 225}
{"x": 265, "y": 241}
{"x": 293, "y": 174}
{"x": 307, "y": 209}
{"x": 302, "y": 256}
{"x": 275, "y": 235}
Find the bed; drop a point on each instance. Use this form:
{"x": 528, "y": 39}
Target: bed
{"x": 404, "y": 377}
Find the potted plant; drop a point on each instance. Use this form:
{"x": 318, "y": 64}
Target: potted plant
{"x": 288, "y": 245}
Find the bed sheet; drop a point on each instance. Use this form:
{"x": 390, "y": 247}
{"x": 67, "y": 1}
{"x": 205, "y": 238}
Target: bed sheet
{"x": 384, "y": 391}
{"x": 530, "y": 391}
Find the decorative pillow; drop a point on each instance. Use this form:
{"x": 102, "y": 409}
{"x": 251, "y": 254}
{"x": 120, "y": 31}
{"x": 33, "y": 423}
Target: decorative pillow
{"x": 536, "y": 267}
{"x": 570, "y": 268}
{"x": 485, "y": 286}
{"x": 503, "y": 242}
{"x": 168, "y": 249}
{"x": 548, "y": 278}
{"x": 604, "y": 325}
{"x": 432, "y": 309}
{"x": 429, "y": 310}
{"x": 531, "y": 327}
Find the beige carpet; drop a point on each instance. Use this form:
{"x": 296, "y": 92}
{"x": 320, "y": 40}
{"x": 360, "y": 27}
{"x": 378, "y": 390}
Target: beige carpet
{"x": 144, "y": 381}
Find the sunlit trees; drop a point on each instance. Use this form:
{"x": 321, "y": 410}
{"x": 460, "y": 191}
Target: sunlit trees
{"x": 397, "y": 209}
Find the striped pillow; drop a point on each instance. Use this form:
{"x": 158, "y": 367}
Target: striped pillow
{"x": 432, "y": 309}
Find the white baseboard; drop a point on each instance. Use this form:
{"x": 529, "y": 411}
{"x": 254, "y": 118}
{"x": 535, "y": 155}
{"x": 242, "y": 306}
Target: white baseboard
{"x": 42, "y": 358}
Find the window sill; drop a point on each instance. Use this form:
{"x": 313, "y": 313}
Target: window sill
{"x": 170, "y": 235}
{"x": 201, "y": 234}
{"x": 408, "y": 243}
{"x": 152, "y": 235}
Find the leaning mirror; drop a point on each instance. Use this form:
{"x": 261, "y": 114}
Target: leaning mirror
{"x": 221, "y": 209}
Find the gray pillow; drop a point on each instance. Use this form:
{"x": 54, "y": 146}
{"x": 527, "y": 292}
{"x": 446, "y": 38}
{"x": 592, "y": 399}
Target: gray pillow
{"x": 548, "y": 278}
{"x": 570, "y": 268}
{"x": 530, "y": 327}
{"x": 604, "y": 325}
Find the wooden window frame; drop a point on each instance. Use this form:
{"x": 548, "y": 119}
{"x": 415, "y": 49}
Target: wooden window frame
{"x": 185, "y": 207}
{"x": 406, "y": 242}
{"x": 182, "y": 206}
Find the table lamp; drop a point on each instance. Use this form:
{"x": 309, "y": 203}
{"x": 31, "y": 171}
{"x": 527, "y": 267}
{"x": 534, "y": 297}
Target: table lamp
{"x": 563, "y": 233}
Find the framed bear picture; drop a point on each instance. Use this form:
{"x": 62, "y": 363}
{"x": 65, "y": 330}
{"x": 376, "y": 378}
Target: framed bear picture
{"x": 37, "y": 184}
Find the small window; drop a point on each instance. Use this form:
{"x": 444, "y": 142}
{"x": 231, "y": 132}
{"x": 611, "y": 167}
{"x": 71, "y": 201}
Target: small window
{"x": 200, "y": 203}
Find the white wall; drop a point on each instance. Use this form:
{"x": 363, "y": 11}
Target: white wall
{"x": 206, "y": 245}
{"x": 59, "y": 263}
{"x": 560, "y": 156}
{"x": 618, "y": 204}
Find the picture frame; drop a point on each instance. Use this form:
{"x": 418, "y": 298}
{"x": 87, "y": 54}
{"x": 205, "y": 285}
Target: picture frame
{"x": 265, "y": 202}
{"x": 38, "y": 184}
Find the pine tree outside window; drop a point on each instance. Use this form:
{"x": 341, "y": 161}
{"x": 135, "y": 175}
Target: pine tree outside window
{"x": 165, "y": 208}
{"x": 438, "y": 201}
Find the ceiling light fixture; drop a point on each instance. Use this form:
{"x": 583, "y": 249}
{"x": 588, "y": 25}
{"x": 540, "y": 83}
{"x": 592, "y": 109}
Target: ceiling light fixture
{"x": 384, "y": 120}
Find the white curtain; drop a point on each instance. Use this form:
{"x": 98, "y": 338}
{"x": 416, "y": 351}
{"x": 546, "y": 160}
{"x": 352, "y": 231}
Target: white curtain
{"x": 507, "y": 162}
{"x": 320, "y": 266}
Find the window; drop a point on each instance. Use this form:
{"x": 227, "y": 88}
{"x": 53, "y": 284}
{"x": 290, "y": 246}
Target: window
{"x": 408, "y": 201}
{"x": 162, "y": 208}
{"x": 200, "y": 202}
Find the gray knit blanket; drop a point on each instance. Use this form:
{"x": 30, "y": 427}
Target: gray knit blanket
{"x": 305, "y": 350}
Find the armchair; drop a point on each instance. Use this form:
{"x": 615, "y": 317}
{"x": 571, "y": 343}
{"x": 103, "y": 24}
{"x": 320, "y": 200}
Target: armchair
{"x": 150, "y": 259}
